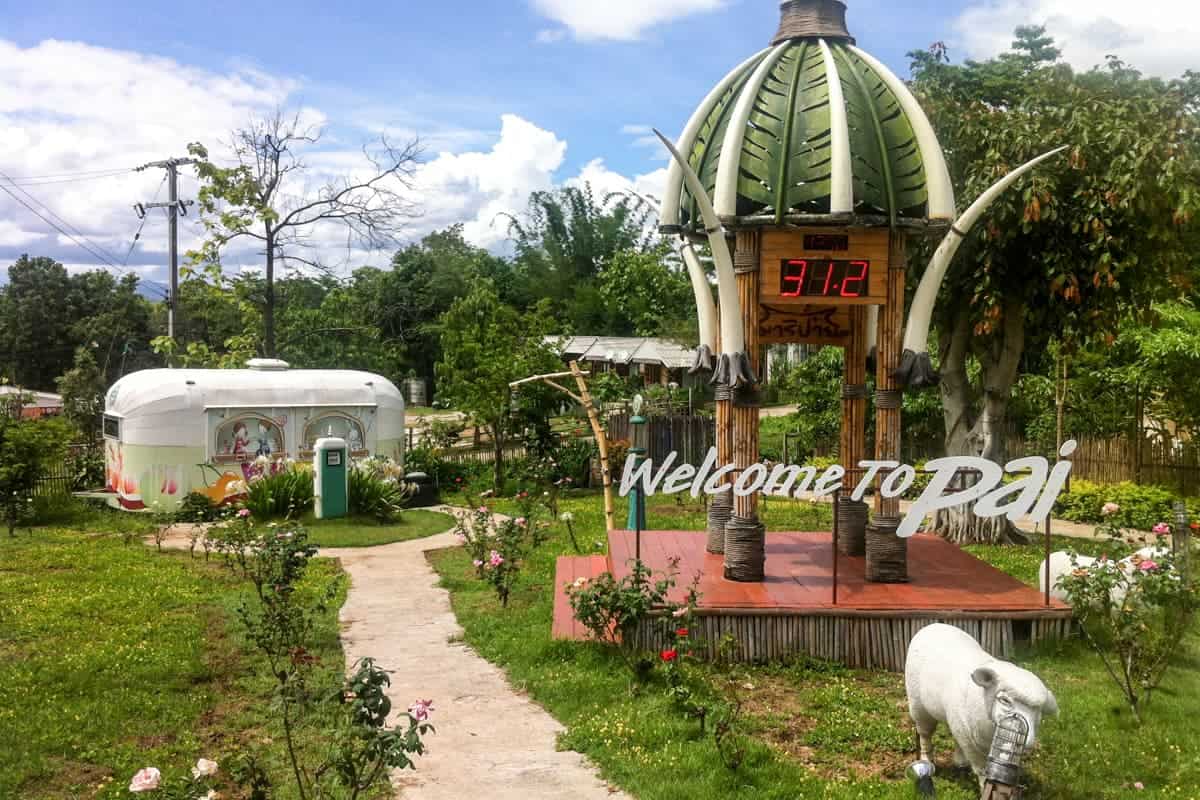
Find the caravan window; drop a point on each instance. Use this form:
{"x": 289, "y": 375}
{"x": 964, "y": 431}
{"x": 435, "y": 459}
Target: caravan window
{"x": 339, "y": 425}
{"x": 112, "y": 427}
{"x": 248, "y": 436}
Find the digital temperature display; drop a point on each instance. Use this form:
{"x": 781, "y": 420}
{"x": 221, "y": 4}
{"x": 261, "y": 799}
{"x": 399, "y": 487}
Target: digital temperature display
{"x": 823, "y": 277}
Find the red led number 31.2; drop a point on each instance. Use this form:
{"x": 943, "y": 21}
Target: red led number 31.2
{"x": 799, "y": 277}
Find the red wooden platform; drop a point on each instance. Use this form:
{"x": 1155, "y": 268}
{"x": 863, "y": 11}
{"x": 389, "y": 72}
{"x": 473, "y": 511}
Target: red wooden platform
{"x": 942, "y": 576}
{"x": 870, "y": 624}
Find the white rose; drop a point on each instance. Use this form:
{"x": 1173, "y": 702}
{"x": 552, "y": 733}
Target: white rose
{"x": 204, "y": 769}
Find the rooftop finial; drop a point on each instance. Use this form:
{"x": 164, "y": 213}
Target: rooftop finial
{"x": 802, "y": 19}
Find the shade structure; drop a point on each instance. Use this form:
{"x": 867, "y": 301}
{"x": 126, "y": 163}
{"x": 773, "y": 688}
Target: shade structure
{"x": 812, "y": 128}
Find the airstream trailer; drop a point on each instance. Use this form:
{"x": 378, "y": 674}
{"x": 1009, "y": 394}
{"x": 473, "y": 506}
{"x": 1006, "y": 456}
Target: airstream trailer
{"x": 168, "y": 432}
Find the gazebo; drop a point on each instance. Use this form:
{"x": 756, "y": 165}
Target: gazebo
{"x": 807, "y": 170}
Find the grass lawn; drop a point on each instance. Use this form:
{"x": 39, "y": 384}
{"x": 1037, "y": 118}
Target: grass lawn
{"x": 416, "y": 523}
{"x": 815, "y": 730}
{"x": 114, "y": 657}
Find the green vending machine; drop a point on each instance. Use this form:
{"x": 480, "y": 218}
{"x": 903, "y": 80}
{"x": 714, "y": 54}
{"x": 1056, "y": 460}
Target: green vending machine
{"x": 331, "y": 477}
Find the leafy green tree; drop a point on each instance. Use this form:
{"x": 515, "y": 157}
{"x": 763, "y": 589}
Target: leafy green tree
{"x": 36, "y": 312}
{"x": 82, "y": 388}
{"x": 486, "y": 345}
{"x": 1090, "y": 237}
{"x": 264, "y": 198}
{"x": 645, "y": 295}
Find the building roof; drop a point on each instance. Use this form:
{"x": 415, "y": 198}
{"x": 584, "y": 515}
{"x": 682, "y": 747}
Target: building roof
{"x": 36, "y": 399}
{"x": 624, "y": 350}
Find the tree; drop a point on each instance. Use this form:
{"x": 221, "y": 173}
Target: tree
{"x": 82, "y": 388}
{"x": 563, "y": 242}
{"x": 486, "y": 345}
{"x": 1086, "y": 241}
{"x": 644, "y": 295}
{"x": 35, "y": 312}
{"x": 263, "y": 198}
{"x": 425, "y": 280}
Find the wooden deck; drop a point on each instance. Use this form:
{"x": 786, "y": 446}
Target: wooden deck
{"x": 793, "y": 610}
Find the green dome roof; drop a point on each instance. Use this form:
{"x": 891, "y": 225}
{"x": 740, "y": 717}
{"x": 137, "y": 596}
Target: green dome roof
{"x": 811, "y": 130}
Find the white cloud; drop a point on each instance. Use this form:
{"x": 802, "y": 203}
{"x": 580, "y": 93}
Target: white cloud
{"x": 13, "y": 235}
{"x": 622, "y": 20}
{"x": 550, "y": 35}
{"x": 476, "y": 187}
{"x": 66, "y": 107}
{"x": 1159, "y": 37}
{"x": 604, "y": 181}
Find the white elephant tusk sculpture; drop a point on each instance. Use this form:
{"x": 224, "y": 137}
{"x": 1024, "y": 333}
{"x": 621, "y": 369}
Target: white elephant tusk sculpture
{"x": 706, "y": 309}
{"x": 915, "y": 369}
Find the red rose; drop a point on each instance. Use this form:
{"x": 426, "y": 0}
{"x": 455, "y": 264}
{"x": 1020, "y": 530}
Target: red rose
{"x": 682, "y": 633}
{"x": 669, "y": 655}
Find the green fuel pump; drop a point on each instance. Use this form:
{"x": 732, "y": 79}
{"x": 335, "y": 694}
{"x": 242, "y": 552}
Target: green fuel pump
{"x": 331, "y": 477}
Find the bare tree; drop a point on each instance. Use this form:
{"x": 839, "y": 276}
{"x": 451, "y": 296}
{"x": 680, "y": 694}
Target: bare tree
{"x": 263, "y": 197}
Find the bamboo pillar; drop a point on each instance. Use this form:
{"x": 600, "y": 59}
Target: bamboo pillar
{"x": 852, "y": 444}
{"x": 887, "y": 554}
{"x": 745, "y": 536}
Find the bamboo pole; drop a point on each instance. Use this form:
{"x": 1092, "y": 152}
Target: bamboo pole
{"x": 601, "y": 443}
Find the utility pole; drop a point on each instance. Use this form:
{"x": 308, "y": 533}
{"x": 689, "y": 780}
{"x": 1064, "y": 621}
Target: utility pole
{"x": 174, "y": 208}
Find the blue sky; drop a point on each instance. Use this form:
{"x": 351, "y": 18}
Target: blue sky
{"x": 510, "y": 97}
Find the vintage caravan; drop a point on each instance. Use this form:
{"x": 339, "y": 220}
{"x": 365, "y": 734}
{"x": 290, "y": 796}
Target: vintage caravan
{"x": 168, "y": 432}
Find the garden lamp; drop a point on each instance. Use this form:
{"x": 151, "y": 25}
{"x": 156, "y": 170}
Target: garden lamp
{"x": 637, "y": 507}
{"x": 1003, "y": 774}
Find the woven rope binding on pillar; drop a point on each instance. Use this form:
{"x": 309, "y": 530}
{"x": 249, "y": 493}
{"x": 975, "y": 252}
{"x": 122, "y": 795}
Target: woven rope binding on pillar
{"x": 745, "y": 261}
{"x": 745, "y": 549}
{"x": 889, "y": 398}
{"x": 887, "y": 553}
{"x": 854, "y": 391}
{"x": 852, "y": 527}
{"x": 722, "y": 391}
{"x": 719, "y": 512}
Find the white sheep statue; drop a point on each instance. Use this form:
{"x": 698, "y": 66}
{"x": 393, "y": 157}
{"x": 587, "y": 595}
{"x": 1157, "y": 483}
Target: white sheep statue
{"x": 950, "y": 678}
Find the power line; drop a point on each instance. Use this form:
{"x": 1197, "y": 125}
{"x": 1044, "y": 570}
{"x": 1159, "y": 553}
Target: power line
{"x": 74, "y": 234}
{"x": 21, "y": 178}
{"x": 77, "y": 179}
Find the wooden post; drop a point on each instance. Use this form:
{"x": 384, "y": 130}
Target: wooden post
{"x": 745, "y": 536}
{"x": 601, "y": 443}
{"x": 886, "y": 553}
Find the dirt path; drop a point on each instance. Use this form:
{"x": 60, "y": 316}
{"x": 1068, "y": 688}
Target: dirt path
{"x": 491, "y": 741}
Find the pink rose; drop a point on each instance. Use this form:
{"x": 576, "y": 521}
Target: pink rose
{"x": 495, "y": 559}
{"x": 1148, "y": 565}
{"x": 477, "y": 563}
{"x": 1161, "y": 529}
{"x": 146, "y": 780}
{"x": 243, "y": 513}
{"x": 420, "y": 710}
{"x": 520, "y": 522}
{"x": 482, "y": 510}
{"x": 1139, "y": 785}
{"x": 1110, "y": 508}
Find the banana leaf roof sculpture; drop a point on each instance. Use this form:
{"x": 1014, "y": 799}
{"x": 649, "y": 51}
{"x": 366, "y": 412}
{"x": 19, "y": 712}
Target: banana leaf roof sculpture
{"x": 811, "y": 129}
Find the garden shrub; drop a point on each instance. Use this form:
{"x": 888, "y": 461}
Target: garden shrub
{"x": 1134, "y": 613}
{"x": 280, "y": 490}
{"x": 196, "y": 507}
{"x": 28, "y": 448}
{"x": 377, "y": 489}
{"x": 1141, "y": 507}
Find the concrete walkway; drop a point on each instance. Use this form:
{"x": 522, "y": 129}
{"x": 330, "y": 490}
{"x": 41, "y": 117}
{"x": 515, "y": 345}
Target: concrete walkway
{"x": 490, "y": 741}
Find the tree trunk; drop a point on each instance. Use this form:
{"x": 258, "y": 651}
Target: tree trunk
{"x": 269, "y": 297}
{"x": 983, "y": 432}
{"x": 498, "y": 462}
